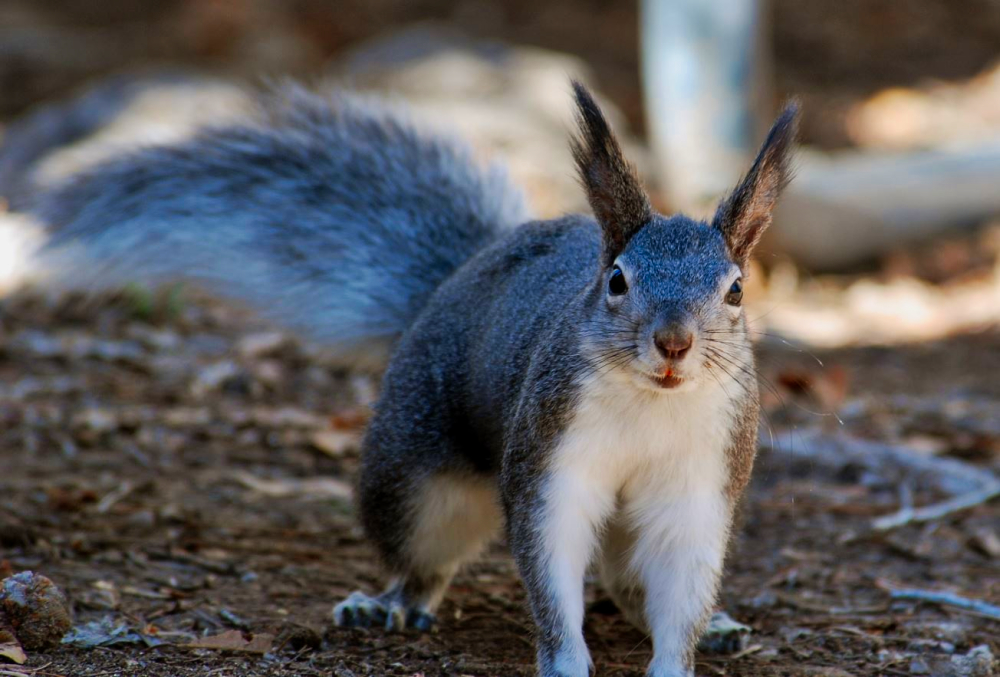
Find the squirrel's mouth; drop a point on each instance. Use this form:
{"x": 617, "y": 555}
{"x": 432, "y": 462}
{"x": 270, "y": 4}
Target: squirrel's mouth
{"x": 667, "y": 381}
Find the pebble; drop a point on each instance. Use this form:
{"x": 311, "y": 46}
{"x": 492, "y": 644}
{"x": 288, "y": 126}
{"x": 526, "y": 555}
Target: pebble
{"x": 34, "y": 609}
{"x": 263, "y": 344}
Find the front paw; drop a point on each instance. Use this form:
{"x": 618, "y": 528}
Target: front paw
{"x": 565, "y": 661}
{"x": 387, "y": 610}
{"x": 359, "y": 611}
{"x": 673, "y": 671}
{"x": 671, "y": 666}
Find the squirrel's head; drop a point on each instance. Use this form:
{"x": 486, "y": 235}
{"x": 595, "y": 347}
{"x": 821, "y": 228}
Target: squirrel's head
{"x": 668, "y": 314}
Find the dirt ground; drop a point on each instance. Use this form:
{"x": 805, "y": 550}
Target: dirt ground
{"x": 181, "y": 470}
{"x": 178, "y": 468}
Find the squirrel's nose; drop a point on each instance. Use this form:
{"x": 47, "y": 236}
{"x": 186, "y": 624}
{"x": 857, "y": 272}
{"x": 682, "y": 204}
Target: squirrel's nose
{"x": 673, "y": 344}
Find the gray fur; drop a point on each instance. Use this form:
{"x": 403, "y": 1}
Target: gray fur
{"x": 746, "y": 213}
{"x": 489, "y": 391}
{"x": 341, "y": 218}
{"x": 332, "y": 214}
{"x": 612, "y": 186}
{"x": 54, "y": 125}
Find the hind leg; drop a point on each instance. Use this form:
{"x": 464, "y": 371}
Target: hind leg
{"x": 723, "y": 635}
{"x": 425, "y": 527}
{"x": 618, "y": 579}
{"x": 661, "y": 560}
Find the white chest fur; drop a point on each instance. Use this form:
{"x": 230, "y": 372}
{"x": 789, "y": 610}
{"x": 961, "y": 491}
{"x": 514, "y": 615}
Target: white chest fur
{"x": 645, "y": 473}
{"x": 630, "y": 441}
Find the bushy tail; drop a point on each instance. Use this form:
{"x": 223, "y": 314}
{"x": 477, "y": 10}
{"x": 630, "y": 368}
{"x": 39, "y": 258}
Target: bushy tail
{"x": 57, "y": 126}
{"x": 331, "y": 214}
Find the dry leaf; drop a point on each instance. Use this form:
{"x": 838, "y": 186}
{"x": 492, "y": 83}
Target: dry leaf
{"x": 354, "y": 419}
{"x": 335, "y": 443}
{"x": 986, "y": 541}
{"x": 829, "y": 386}
{"x": 928, "y": 445}
{"x": 212, "y": 377}
{"x": 314, "y": 488}
{"x": 254, "y": 346}
{"x": 235, "y": 640}
{"x": 13, "y": 652}
{"x": 285, "y": 417}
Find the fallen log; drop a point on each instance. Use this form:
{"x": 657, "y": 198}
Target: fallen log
{"x": 892, "y": 462}
{"x": 850, "y": 208}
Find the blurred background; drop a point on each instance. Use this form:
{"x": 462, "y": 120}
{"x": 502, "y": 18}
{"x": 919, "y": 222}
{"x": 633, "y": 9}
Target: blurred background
{"x": 172, "y": 460}
{"x": 901, "y": 113}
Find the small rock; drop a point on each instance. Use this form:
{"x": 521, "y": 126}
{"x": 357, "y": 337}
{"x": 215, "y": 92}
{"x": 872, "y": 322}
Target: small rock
{"x": 263, "y": 344}
{"x": 101, "y": 595}
{"x": 979, "y": 662}
{"x": 985, "y": 540}
{"x": 930, "y": 646}
{"x": 918, "y": 666}
{"x": 95, "y": 420}
{"x": 214, "y": 376}
{"x": 887, "y": 656}
{"x": 723, "y": 635}
{"x": 298, "y": 637}
{"x": 335, "y": 443}
{"x": 154, "y": 339}
{"x": 143, "y": 519}
{"x": 764, "y": 600}
{"x": 269, "y": 372}
{"x": 285, "y": 417}
{"x": 948, "y": 631}
{"x": 790, "y": 635}
{"x": 183, "y": 417}
{"x": 35, "y": 609}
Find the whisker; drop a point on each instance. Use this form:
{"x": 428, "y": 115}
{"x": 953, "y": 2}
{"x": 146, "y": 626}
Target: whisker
{"x": 753, "y": 393}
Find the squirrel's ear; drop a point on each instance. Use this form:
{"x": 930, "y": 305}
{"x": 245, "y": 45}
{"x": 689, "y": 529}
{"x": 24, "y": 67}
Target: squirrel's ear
{"x": 746, "y": 213}
{"x": 613, "y": 189}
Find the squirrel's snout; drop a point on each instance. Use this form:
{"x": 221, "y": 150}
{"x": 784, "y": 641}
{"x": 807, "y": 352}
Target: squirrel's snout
{"x": 673, "y": 344}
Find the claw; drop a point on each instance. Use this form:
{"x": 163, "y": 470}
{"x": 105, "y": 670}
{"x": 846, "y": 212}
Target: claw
{"x": 421, "y": 620}
{"x": 358, "y": 611}
{"x": 361, "y": 611}
{"x": 396, "y": 618}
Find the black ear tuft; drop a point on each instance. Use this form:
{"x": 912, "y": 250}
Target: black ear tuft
{"x": 613, "y": 189}
{"x": 746, "y": 213}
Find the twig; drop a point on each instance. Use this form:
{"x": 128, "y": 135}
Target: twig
{"x": 816, "y": 607}
{"x": 944, "y": 598}
{"x": 752, "y": 649}
{"x": 112, "y": 497}
{"x": 25, "y": 671}
{"x": 910, "y": 515}
{"x": 892, "y": 462}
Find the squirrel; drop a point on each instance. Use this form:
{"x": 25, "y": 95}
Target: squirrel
{"x": 587, "y": 382}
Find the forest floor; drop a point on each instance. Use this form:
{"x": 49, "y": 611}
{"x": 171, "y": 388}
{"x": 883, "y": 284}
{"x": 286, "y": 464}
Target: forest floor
{"x": 181, "y": 470}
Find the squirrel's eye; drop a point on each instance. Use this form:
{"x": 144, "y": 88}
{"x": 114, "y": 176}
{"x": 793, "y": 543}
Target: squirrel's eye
{"x": 735, "y": 294}
{"x": 617, "y": 285}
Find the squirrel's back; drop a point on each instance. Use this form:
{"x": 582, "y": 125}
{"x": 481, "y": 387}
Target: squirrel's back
{"x": 329, "y": 213}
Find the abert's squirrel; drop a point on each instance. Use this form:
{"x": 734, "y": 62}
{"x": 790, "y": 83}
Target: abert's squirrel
{"x": 588, "y": 382}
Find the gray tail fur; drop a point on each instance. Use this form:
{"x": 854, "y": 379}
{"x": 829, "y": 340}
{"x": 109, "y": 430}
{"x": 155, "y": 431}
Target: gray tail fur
{"x": 54, "y": 126}
{"x": 331, "y": 214}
